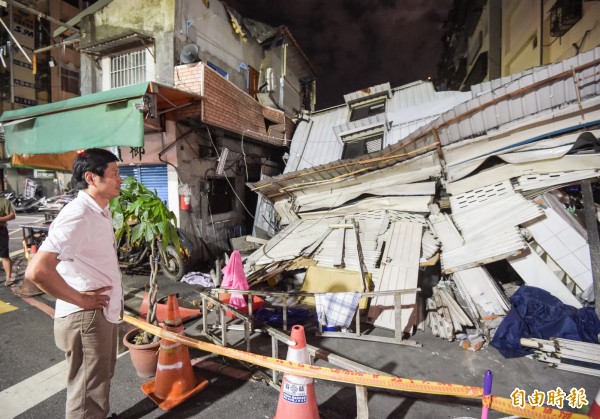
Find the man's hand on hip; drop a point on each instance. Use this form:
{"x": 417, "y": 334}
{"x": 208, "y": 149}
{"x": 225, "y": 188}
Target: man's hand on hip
{"x": 94, "y": 299}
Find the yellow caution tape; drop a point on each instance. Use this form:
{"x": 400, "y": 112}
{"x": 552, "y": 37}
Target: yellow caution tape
{"x": 355, "y": 377}
{"x": 528, "y": 411}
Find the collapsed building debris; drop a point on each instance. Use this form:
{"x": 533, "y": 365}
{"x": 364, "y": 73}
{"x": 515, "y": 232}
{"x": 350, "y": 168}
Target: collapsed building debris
{"x": 487, "y": 180}
{"x": 566, "y": 354}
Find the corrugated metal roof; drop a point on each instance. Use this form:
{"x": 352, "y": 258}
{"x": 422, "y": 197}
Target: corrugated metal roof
{"x": 290, "y": 242}
{"x": 514, "y": 98}
{"x": 316, "y": 141}
{"x": 544, "y": 91}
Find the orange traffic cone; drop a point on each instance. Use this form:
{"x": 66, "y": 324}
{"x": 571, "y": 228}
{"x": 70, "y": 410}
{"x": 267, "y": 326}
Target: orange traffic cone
{"x": 594, "y": 412}
{"x": 297, "y": 399}
{"x": 175, "y": 380}
{"x": 161, "y": 311}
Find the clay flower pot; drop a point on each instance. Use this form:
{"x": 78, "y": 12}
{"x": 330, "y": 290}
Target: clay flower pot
{"x": 143, "y": 357}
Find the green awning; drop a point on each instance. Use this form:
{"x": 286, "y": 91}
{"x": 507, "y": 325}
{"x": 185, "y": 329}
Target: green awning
{"x": 105, "y": 119}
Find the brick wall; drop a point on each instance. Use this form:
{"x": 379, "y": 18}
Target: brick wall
{"x": 226, "y": 106}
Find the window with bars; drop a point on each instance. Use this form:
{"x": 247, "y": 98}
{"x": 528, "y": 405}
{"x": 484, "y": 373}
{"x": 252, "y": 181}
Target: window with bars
{"x": 128, "y": 69}
{"x": 362, "y": 146}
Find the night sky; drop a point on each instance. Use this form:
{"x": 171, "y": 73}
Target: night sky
{"x": 354, "y": 44}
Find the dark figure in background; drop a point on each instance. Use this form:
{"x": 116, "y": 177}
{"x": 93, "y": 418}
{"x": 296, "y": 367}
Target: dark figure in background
{"x": 7, "y": 213}
{"x": 77, "y": 263}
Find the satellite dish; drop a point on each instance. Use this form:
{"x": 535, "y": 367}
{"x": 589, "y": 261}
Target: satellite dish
{"x": 189, "y": 54}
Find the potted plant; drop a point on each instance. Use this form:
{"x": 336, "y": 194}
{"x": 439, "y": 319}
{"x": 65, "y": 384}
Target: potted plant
{"x": 140, "y": 217}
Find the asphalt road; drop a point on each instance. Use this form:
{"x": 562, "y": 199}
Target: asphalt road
{"x": 32, "y": 368}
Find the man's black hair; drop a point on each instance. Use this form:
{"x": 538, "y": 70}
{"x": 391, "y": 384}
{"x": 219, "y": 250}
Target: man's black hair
{"x": 93, "y": 160}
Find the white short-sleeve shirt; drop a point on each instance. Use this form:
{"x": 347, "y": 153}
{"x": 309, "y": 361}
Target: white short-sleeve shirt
{"x": 82, "y": 236}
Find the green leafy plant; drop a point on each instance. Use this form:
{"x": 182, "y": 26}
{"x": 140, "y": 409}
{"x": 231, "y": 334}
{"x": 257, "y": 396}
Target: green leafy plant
{"x": 140, "y": 217}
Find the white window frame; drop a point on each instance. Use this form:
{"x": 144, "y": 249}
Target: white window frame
{"x": 106, "y": 64}
{"x": 362, "y": 136}
{"x": 379, "y": 102}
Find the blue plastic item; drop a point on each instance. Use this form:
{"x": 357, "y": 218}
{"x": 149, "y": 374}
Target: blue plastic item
{"x": 273, "y": 316}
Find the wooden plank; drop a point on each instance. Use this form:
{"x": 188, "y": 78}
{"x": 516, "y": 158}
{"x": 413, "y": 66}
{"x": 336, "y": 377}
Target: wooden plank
{"x": 362, "y": 403}
{"x": 455, "y": 309}
{"x": 370, "y": 338}
{"x": 581, "y": 370}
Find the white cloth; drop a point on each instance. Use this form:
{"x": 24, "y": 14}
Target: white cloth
{"x": 83, "y": 237}
{"x": 198, "y": 278}
{"x": 336, "y": 308}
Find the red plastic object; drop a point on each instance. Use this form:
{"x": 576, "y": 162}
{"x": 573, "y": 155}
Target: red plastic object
{"x": 257, "y": 303}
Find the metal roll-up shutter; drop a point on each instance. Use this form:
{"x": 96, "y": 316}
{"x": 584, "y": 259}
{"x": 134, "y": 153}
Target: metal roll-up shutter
{"x": 153, "y": 177}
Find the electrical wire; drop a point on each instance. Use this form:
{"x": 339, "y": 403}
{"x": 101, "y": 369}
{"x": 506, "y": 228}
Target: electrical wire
{"x": 244, "y": 153}
{"x": 230, "y": 185}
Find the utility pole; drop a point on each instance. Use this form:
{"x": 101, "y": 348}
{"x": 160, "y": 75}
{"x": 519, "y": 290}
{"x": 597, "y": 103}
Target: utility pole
{"x": 591, "y": 222}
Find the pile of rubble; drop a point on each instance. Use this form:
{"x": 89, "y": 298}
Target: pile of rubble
{"x": 493, "y": 180}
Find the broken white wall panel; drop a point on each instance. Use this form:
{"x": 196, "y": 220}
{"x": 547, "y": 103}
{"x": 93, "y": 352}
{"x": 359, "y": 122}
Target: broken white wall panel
{"x": 292, "y": 240}
{"x": 338, "y": 256}
{"x": 264, "y": 219}
{"x": 507, "y": 171}
{"x": 483, "y": 291}
{"x": 484, "y": 243}
{"x": 565, "y": 246}
{"x": 494, "y": 214}
{"x": 464, "y": 157}
{"x": 552, "y": 200}
{"x": 552, "y": 148}
{"x": 555, "y": 350}
{"x": 284, "y": 210}
{"x": 532, "y": 269}
{"x": 430, "y": 245}
{"x": 476, "y": 197}
{"x": 558, "y": 271}
{"x": 381, "y": 187}
{"x": 538, "y": 181}
{"x": 399, "y": 270}
{"x": 446, "y": 231}
{"x": 485, "y": 248}
{"x": 395, "y": 215}
{"x": 417, "y": 169}
{"x": 459, "y": 317}
{"x": 404, "y": 203}
{"x": 371, "y": 244}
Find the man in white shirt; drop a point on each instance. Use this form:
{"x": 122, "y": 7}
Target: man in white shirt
{"x": 77, "y": 264}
